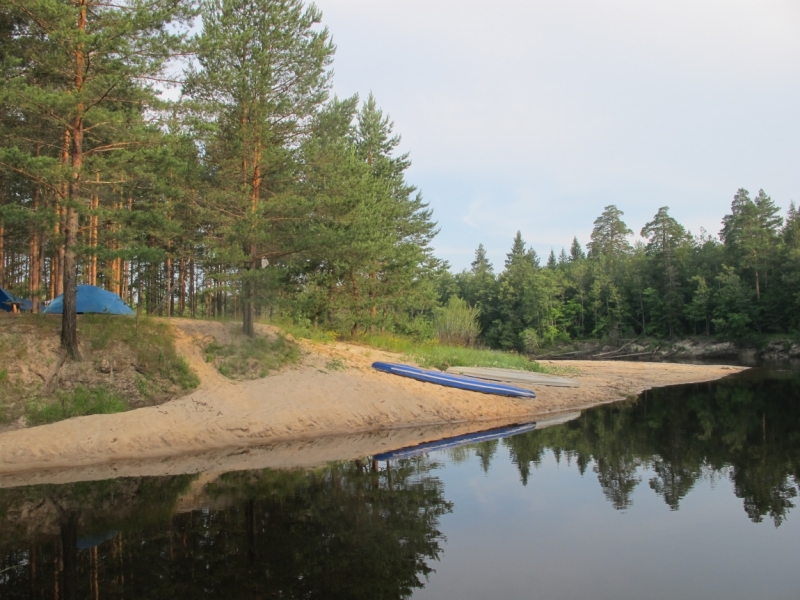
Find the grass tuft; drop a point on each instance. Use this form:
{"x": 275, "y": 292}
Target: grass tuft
{"x": 152, "y": 342}
{"x": 81, "y": 401}
{"x": 252, "y": 358}
{"x": 335, "y": 365}
{"x": 442, "y": 357}
{"x": 430, "y": 353}
{"x": 457, "y": 323}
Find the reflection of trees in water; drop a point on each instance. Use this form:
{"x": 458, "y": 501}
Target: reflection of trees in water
{"x": 348, "y": 531}
{"x": 485, "y": 451}
{"x": 337, "y": 532}
{"x": 741, "y": 428}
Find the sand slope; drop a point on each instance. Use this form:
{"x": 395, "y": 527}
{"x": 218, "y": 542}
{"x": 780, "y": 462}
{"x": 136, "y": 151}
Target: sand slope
{"x": 309, "y": 401}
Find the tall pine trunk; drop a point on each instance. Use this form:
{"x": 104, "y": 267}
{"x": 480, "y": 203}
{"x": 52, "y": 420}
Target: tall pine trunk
{"x": 61, "y": 224}
{"x": 69, "y": 320}
{"x": 182, "y": 286}
{"x": 248, "y": 306}
{"x": 94, "y": 203}
{"x": 758, "y": 287}
{"x": 191, "y": 288}
{"x": 2, "y": 254}
{"x": 168, "y": 272}
{"x": 35, "y": 274}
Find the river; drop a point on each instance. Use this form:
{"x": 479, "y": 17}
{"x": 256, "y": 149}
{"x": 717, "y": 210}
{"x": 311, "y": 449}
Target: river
{"x": 686, "y": 492}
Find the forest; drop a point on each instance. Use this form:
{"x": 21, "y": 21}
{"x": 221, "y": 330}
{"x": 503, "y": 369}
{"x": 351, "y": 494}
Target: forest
{"x": 739, "y": 285}
{"x": 190, "y": 157}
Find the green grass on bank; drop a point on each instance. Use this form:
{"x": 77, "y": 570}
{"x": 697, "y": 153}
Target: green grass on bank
{"x": 81, "y": 401}
{"x": 125, "y": 364}
{"x": 426, "y": 353}
{"x": 431, "y": 354}
{"x": 305, "y": 332}
{"x": 151, "y": 341}
{"x": 251, "y": 358}
{"x": 442, "y": 357}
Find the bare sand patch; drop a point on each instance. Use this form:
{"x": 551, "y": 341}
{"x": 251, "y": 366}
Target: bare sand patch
{"x": 332, "y": 392}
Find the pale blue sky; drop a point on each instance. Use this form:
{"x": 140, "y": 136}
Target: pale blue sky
{"x": 534, "y": 115}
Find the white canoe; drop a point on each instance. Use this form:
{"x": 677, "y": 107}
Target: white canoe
{"x": 513, "y": 376}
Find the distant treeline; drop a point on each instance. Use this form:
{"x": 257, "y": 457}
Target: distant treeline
{"x": 671, "y": 284}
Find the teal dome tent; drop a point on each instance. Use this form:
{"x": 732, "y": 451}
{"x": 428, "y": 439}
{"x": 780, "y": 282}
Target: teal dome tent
{"x": 92, "y": 299}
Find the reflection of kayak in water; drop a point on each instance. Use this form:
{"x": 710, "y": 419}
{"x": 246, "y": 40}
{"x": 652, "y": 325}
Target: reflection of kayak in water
{"x": 516, "y": 376}
{"x": 487, "y": 435}
{"x": 455, "y": 381}
{"x": 454, "y": 442}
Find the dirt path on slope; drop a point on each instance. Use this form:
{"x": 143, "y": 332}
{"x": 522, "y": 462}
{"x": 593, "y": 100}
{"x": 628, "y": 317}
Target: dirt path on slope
{"x": 332, "y": 392}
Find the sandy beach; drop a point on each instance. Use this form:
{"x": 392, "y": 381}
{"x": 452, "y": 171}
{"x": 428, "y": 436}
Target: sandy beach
{"x": 303, "y": 403}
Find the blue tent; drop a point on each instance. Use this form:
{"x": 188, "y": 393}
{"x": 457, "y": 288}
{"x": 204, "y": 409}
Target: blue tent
{"x": 92, "y": 299}
{"x": 8, "y": 300}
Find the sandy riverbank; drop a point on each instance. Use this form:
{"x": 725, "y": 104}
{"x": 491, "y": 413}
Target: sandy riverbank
{"x": 310, "y": 401}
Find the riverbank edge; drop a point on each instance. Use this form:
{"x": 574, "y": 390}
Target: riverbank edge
{"x": 302, "y": 450}
{"x": 770, "y": 348}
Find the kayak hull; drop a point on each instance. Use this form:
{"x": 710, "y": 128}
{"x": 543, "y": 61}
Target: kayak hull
{"x": 514, "y": 376}
{"x": 454, "y": 381}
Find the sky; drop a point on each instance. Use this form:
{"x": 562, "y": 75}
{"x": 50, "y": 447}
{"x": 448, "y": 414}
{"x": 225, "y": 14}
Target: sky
{"x": 534, "y": 115}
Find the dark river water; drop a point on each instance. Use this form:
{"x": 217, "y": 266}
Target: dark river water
{"x": 687, "y": 492}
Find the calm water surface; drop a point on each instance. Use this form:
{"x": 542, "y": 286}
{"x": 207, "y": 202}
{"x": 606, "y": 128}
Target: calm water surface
{"x": 688, "y": 492}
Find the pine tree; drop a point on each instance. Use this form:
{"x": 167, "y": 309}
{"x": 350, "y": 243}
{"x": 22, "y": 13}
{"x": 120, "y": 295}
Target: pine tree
{"x": 533, "y": 258}
{"x": 699, "y": 310}
{"x": 400, "y": 273}
{"x": 478, "y": 287}
{"x": 262, "y": 73}
{"x": 517, "y": 250}
{"x": 788, "y": 272}
{"x": 575, "y": 251}
{"x": 90, "y": 57}
{"x": 791, "y": 228}
{"x": 609, "y": 236}
{"x": 481, "y": 263}
{"x": 750, "y": 234}
{"x": 608, "y": 249}
{"x": 665, "y": 237}
{"x": 371, "y": 264}
{"x": 551, "y": 260}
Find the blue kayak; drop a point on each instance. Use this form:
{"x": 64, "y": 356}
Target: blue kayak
{"x": 455, "y": 381}
{"x": 455, "y": 442}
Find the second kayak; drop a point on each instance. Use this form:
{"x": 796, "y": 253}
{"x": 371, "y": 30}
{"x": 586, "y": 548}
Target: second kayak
{"x": 455, "y": 381}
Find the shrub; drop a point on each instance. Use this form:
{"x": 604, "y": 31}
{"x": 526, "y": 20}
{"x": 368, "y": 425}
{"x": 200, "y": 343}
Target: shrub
{"x": 530, "y": 340}
{"x": 457, "y": 323}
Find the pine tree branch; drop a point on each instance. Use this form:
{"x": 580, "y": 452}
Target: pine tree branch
{"x": 33, "y": 178}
